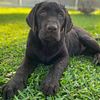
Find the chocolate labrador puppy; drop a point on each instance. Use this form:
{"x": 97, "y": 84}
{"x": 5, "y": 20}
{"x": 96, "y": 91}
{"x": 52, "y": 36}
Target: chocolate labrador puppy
{"x": 52, "y": 39}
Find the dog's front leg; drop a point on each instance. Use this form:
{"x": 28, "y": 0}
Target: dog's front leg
{"x": 19, "y": 80}
{"x": 51, "y": 83}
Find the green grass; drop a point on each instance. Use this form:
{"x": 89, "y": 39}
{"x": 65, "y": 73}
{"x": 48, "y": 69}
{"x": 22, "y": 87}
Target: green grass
{"x": 80, "y": 81}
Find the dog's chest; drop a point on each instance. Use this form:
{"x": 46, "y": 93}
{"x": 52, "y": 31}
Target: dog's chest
{"x": 47, "y": 54}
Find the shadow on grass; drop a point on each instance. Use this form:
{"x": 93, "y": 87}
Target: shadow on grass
{"x": 7, "y": 18}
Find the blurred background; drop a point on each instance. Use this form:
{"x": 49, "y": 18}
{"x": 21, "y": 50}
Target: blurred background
{"x": 85, "y": 6}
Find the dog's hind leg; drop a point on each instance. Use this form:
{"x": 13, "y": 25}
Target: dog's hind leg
{"x": 92, "y": 47}
{"x": 90, "y": 43}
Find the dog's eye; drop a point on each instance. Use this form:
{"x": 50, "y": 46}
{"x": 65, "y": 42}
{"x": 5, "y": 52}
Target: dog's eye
{"x": 43, "y": 13}
{"x": 60, "y": 16}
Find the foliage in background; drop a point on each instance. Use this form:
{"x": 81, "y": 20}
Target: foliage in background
{"x": 80, "y": 81}
{"x": 86, "y": 6}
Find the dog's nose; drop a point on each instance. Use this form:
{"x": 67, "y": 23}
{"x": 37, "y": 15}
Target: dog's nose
{"x": 52, "y": 27}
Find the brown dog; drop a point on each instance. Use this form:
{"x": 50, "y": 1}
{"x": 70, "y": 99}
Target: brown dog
{"x": 52, "y": 39}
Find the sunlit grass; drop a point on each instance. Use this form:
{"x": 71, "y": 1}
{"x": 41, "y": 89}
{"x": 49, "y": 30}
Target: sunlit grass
{"x": 26, "y": 10}
{"x": 14, "y": 10}
{"x": 97, "y": 12}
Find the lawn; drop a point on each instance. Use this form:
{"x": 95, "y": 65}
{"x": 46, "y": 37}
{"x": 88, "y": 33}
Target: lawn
{"x": 80, "y": 81}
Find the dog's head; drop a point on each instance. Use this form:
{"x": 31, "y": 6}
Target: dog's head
{"x": 49, "y": 20}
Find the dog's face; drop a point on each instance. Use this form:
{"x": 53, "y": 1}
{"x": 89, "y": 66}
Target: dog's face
{"x": 49, "y": 21}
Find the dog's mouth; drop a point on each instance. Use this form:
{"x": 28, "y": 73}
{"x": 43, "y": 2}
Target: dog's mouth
{"x": 49, "y": 41}
{"x": 49, "y": 38}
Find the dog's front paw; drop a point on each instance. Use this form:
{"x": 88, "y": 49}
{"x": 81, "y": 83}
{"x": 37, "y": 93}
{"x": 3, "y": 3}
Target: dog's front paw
{"x": 50, "y": 88}
{"x": 10, "y": 89}
{"x": 97, "y": 59}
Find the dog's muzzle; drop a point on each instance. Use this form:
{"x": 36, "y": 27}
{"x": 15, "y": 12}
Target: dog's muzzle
{"x": 51, "y": 27}
{"x": 50, "y": 33}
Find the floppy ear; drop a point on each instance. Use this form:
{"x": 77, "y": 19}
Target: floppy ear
{"x": 68, "y": 23}
{"x": 31, "y": 18}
